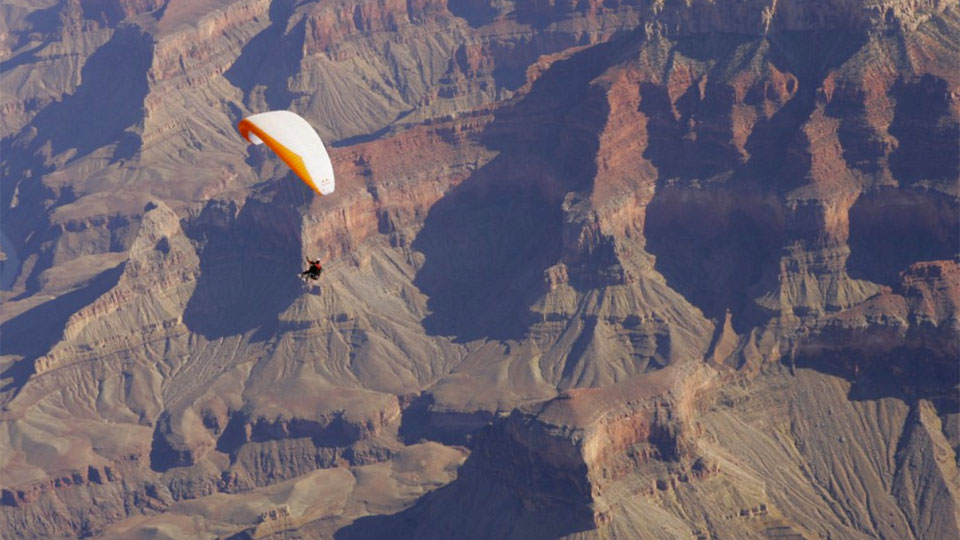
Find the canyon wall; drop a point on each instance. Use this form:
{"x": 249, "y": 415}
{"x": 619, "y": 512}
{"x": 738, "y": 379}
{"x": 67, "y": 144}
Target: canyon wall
{"x": 592, "y": 270}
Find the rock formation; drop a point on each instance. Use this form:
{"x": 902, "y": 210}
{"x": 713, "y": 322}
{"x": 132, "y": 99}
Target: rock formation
{"x": 611, "y": 269}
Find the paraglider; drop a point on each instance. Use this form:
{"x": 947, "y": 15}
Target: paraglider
{"x": 313, "y": 271}
{"x": 296, "y": 143}
{"x": 300, "y": 147}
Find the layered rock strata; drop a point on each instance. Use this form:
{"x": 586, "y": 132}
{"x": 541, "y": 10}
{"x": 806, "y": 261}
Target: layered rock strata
{"x": 627, "y": 255}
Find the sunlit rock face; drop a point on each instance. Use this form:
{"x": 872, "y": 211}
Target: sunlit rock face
{"x": 592, "y": 270}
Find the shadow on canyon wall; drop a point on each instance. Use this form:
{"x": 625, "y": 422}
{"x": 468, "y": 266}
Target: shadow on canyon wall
{"x": 250, "y": 259}
{"x": 720, "y": 257}
{"x": 270, "y": 59}
{"x": 32, "y": 333}
{"x": 41, "y": 22}
{"x": 489, "y": 499}
{"x": 905, "y": 373}
{"x": 928, "y": 138}
{"x": 105, "y": 105}
{"x": 890, "y": 229}
{"x": 487, "y": 243}
{"x": 419, "y": 423}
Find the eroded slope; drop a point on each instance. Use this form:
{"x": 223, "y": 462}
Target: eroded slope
{"x": 616, "y": 270}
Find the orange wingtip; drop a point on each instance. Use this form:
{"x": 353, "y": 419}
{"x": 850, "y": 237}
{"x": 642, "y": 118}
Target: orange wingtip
{"x": 291, "y": 158}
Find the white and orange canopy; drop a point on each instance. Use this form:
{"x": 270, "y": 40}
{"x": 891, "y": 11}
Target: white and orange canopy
{"x": 297, "y": 144}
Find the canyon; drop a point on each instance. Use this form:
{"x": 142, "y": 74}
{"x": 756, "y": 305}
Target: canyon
{"x": 619, "y": 269}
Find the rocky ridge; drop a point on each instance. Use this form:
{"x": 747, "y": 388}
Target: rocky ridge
{"x": 759, "y": 243}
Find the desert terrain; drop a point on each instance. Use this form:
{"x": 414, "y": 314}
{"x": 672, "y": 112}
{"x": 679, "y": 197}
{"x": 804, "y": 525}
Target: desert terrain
{"x": 617, "y": 269}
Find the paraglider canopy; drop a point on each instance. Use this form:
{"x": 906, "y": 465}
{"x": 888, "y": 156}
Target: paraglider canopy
{"x": 297, "y": 144}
